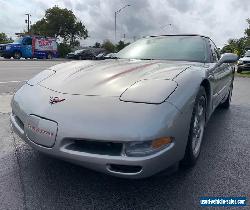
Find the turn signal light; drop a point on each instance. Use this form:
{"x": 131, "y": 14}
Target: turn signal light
{"x": 158, "y": 143}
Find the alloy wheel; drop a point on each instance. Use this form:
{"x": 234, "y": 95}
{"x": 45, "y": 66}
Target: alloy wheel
{"x": 198, "y": 126}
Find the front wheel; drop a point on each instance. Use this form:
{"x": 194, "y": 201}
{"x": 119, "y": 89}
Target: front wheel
{"x": 49, "y": 56}
{"x": 239, "y": 70}
{"x": 197, "y": 127}
{"x": 17, "y": 55}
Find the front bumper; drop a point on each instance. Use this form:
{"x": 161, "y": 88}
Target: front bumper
{"x": 116, "y": 125}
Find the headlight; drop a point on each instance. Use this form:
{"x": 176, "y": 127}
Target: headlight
{"x": 149, "y": 91}
{"x": 8, "y": 47}
{"x": 144, "y": 148}
{"x": 239, "y": 62}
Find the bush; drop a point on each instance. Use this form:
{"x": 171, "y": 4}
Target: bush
{"x": 63, "y": 50}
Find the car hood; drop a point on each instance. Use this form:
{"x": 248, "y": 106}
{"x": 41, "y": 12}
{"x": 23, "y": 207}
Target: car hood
{"x": 108, "y": 77}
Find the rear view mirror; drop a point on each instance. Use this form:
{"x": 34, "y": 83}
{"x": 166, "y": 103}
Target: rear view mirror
{"x": 228, "y": 58}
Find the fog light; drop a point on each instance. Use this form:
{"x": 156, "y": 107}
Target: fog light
{"x": 144, "y": 148}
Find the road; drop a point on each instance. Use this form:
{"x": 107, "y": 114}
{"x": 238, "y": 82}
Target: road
{"x": 30, "y": 180}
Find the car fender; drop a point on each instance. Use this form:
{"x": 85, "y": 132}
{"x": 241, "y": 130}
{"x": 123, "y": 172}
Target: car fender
{"x": 183, "y": 98}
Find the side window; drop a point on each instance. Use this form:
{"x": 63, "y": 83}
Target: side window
{"x": 215, "y": 55}
{"x": 27, "y": 41}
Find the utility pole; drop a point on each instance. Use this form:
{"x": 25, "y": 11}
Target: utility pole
{"x": 117, "y": 12}
{"x": 28, "y": 21}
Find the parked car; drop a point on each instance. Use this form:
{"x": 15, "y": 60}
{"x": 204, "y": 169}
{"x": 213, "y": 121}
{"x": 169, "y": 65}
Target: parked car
{"x": 244, "y": 63}
{"x": 132, "y": 116}
{"x": 85, "y": 54}
{"x": 105, "y": 55}
{"x": 101, "y": 56}
{"x": 30, "y": 47}
{"x": 110, "y": 56}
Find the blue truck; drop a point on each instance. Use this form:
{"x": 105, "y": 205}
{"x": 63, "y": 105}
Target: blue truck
{"x": 30, "y": 47}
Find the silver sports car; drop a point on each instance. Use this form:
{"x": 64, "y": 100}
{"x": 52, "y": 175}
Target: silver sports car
{"x": 131, "y": 116}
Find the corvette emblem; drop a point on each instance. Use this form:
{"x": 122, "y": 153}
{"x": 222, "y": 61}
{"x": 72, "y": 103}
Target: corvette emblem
{"x": 55, "y": 100}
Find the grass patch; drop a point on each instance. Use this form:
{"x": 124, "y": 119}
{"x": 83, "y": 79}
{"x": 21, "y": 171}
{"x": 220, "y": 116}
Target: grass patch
{"x": 243, "y": 74}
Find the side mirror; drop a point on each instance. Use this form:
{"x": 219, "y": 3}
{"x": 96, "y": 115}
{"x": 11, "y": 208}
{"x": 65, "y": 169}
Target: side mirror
{"x": 228, "y": 58}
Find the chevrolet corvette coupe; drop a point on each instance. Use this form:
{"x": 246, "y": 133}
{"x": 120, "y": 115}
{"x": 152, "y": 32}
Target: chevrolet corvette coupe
{"x": 131, "y": 116}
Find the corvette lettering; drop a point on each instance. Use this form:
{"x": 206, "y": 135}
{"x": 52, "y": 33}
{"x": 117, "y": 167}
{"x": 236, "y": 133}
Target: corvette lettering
{"x": 40, "y": 130}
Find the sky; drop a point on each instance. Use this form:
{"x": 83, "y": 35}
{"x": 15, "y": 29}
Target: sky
{"x": 218, "y": 19}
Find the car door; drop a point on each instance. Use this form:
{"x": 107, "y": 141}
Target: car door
{"x": 226, "y": 73}
{"x": 217, "y": 74}
{"x": 27, "y": 47}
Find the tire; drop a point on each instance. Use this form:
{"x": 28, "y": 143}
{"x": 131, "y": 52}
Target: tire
{"x": 226, "y": 103}
{"x": 197, "y": 126}
{"x": 49, "y": 56}
{"x": 239, "y": 70}
{"x": 17, "y": 55}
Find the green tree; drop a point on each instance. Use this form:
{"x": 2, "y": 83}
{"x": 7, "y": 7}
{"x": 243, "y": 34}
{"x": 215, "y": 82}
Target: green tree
{"x": 238, "y": 46}
{"x": 5, "y": 39}
{"x": 247, "y": 31}
{"x": 97, "y": 45}
{"x": 63, "y": 50}
{"x": 121, "y": 45}
{"x": 61, "y": 23}
{"x": 109, "y": 46}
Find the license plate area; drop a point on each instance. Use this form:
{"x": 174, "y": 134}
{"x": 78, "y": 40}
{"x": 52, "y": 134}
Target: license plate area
{"x": 41, "y": 131}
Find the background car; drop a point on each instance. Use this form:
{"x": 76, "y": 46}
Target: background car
{"x": 244, "y": 63}
{"x": 86, "y": 53}
{"x": 110, "y": 56}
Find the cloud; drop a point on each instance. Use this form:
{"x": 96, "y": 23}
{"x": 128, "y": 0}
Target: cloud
{"x": 220, "y": 20}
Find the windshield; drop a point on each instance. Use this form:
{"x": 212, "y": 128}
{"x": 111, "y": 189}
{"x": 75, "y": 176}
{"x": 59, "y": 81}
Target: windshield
{"x": 186, "y": 48}
{"x": 247, "y": 54}
{"x": 18, "y": 40}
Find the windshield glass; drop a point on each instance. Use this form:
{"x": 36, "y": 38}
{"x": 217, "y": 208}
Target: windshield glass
{"x": 18, "y": 40}
{"x": 186, "y": 48}
{"x": 247, "y": 54}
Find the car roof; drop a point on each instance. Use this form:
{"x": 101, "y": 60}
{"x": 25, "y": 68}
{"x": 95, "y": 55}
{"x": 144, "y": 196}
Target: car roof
{"x": 178, "y": 35}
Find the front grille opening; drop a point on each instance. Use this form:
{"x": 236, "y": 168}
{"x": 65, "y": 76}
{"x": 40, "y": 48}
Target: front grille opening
{"x": 124, "y": 168}
{"x": 96, "y": 147}
{"x": 19, "y": 122}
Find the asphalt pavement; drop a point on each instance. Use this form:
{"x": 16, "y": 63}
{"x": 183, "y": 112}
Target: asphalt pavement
{"x": 30, "y": 180}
